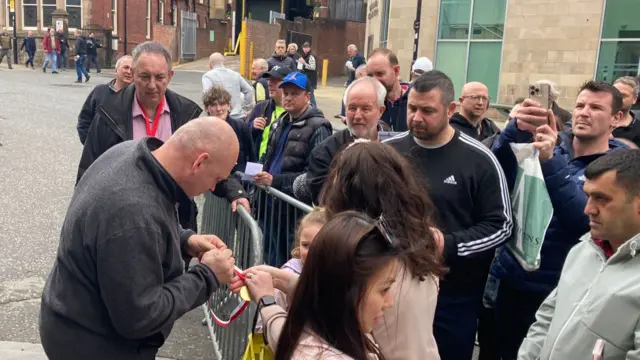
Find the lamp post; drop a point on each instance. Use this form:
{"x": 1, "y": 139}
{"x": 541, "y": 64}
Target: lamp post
{"x": 416, "y": 28}
{"x": 125, "y": 27}
{"x": 12, "y": 11}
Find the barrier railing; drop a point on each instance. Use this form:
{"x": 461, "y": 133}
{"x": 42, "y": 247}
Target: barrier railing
{"x": 243, "y": 236}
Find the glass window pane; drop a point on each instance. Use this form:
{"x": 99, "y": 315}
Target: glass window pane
{"x": 454, "y": 19}
{"x": 48, "y": 2}
{"x": 29, "y": 2}
{"x": 621, "y": 19}
{"x": 450, "y": 59}
{"x": 618, "y": 59}
{"x": 484, "y": 65}
{"x": 47, "y": 20}
{"x": 30, "y": 16}
{"x": 75, "y": 14}
{"x": 74, "y": 2}
{"x": 488, "y": 19}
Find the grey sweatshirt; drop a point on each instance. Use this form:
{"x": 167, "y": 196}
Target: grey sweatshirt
{"x": 118, "y": 283}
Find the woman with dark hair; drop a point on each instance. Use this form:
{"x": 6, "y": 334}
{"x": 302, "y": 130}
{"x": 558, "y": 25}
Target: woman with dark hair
{"x": 373, "y": 178}
{"x": 342, "y": 292}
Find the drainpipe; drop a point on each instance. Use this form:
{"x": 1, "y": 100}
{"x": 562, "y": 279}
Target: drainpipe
{"x": 416, "y": 28}
{"x": 125, "y": 28}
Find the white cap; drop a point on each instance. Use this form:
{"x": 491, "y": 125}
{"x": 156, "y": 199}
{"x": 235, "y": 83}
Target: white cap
{"x": 422, "y": 63}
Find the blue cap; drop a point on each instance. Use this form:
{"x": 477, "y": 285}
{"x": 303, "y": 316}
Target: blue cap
{"x": 298, "y": 79}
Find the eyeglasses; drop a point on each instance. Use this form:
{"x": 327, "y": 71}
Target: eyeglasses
{"x": 478, "y": 98}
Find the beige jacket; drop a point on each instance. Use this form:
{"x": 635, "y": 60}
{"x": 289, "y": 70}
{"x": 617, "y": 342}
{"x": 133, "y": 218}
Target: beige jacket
{"x": 407, "y": 330}
{"x": 310, "y": 347}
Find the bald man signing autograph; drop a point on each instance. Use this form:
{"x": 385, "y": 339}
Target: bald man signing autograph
{"x": 118, "y": 283}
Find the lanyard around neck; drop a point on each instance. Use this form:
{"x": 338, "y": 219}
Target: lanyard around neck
{"x": 152, "y": 129}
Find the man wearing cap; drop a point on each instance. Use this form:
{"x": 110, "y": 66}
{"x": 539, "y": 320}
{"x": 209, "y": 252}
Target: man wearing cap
{"x": 307, "y": 65}
{"x": 293, "y": 136}
{"x": 266, "y": 112}
{"x": 420, "y": 66}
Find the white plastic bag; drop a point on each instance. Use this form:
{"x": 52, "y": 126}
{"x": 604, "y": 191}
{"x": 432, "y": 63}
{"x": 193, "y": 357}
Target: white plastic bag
{"x": 531, "y": 206}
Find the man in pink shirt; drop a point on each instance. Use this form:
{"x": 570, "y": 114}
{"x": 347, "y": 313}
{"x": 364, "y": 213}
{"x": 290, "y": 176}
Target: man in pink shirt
{"x": 148, "y": 108}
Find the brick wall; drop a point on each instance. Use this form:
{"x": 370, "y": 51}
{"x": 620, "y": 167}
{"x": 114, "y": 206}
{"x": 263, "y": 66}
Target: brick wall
{"x": 330, "y": 39}
{"x": 166, "y": 35}
{"x": 204, "y": 47}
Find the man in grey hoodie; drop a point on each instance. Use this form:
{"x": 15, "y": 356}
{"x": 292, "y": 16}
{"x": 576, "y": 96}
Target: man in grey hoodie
{"x": 118, "y": 283}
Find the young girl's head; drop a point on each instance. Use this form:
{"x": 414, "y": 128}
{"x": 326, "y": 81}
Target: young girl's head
{"x": 344, "y": 286}
{"x": 308, "y": 228}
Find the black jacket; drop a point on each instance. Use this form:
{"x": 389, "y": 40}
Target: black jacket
{"x": 302, "y": 136}
{"x": 262, "y": 109}
{"x": 395, "y": 112}
{"x": 92, "y": 46}
{"x": 321, "y": 158}
{"x": 562, "y": 115}
{"x": 98, "y": 95}
{"x": 113, "y": 124}
{"x": 118, "y": 283}
{"x": 64, "y": 42}
{"x": 29, "y": 44}
{"x": 81, "y": 46}
{"x": 265, "y": 84}
{"x": 312, "y": 75}
{"x": 282, "y": 61}
{"x": 247, "y": 151}
{"x": 487, "y": 127}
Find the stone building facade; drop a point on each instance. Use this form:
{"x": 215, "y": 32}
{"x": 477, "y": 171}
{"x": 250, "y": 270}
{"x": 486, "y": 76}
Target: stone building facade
{"x": 508, "y": 44}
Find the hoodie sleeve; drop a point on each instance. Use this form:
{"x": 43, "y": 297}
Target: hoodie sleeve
{"x": 139, "y": 302}
{"x": 493, "y": 208}
{"x": 533, "y": 343}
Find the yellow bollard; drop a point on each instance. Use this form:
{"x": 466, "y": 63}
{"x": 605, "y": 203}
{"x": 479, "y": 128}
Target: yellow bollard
{"x": 250, "y": 60}
{"x": 325, "y": 70}
{"x": 243, "y": 49}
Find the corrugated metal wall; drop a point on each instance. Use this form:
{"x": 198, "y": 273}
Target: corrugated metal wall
{"x": 351, "y": 10}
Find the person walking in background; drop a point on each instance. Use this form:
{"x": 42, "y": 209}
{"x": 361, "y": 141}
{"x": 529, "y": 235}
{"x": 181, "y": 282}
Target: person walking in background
{"x": 92, "y": 53}
{"x": 307, "y": 64}
{"x": 29, "y": 45}
{"x": 81, "y": 55}
{"x": 354, "y": 62}
{"x": 51, "y": 47}
{"x": 63, "y": 59}
{"x": 5, "y": 47}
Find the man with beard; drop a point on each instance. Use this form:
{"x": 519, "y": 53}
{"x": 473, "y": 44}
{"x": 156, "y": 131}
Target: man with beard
{"x": 629, "y": 126}
{"x": 123, "y": 77}
{"x": 364, "y": 101}
{"x": 521, "y": 292}
{"x": 474, "y": 102}
{"x": 383, "y": 65}
{"x": 469, "y": 190}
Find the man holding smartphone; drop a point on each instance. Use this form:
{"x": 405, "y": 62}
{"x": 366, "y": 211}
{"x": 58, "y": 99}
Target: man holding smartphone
{"x": 521, "y": 293}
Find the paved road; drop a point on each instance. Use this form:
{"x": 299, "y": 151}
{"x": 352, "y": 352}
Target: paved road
{"x": 39, "y": 154}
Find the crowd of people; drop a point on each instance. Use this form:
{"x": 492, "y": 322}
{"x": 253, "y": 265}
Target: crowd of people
{"x": 403, "y": 256}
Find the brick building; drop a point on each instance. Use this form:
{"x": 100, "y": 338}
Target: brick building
{"x": 509, "y": 44}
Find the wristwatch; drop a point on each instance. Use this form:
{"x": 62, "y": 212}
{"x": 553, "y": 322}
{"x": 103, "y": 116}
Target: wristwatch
{"x": 265, "y": 301}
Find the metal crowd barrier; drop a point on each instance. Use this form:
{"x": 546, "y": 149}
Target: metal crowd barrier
{"x": 243, "y": 236}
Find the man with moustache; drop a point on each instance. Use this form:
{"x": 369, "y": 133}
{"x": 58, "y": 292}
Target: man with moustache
{"x": 364, "y": 104}
{"x": 474, "y": 102}
{"x": 469, "y": 190}
{"x": 123, "y": 77}
{"x": 521, "y": 292}
{"x": 383, "y": 65}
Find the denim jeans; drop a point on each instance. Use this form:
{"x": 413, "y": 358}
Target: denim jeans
{"x": 53, "y": 59}
{"x": 80, "y": 67}
{"x": 63, "y": 62}
{"x": 31, "y": 54}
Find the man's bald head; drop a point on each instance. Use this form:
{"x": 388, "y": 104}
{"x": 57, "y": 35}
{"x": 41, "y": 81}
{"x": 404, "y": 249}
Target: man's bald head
{"x": 474, "y": 101}
{"x": 200, "y": 154}
{"x": 216, "y": 59}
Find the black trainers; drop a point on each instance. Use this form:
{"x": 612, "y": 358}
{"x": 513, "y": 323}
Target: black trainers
{"x": 44, "y": 70}
{"x": 54, "y": 72}
{"x": 88, "y": 77}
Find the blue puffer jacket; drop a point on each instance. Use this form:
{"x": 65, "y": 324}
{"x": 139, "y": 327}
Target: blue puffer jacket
{"x": 564, "y": 177}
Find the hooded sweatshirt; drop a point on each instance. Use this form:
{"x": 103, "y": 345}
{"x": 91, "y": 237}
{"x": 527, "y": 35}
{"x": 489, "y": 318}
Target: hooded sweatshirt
{"x": 118, "y": 283}
{"x": 283, "y": 61}
{"x": 486, "y": 128}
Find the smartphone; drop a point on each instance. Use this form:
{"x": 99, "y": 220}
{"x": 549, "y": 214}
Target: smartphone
{"x": 540, "y": 94}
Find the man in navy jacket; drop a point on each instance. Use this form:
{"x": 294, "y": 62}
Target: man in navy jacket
{"x": 521, "y": 293}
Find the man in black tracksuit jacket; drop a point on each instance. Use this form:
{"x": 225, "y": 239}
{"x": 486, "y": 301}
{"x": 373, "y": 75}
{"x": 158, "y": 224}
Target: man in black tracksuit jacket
{"x": 469, "y": 191}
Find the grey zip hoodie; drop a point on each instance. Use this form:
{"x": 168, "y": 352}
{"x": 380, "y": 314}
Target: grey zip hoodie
{"x": 118, "y": 283}
{"x": 596, "y": 299}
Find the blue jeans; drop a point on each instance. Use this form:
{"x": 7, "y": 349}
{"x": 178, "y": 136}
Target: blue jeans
{"x": 53, "y": 59}
{"x": 80, "y": 67}
{"x": 31, "y": 54}
{"x": 313, "y": 99}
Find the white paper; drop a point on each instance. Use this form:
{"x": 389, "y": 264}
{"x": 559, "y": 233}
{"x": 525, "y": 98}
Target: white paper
{"x": 251, "y": 171}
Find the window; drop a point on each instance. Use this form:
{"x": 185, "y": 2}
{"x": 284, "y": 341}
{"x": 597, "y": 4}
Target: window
{"x": 48, "y": 7}
{"x": 469, "y": 48}
{"x": 619, "y": 53}
{"x": 114, "y": 16}
{"x": 161, "y": 12}
{"x": 384, "y": 23}
{"x": 148, "y": 19}
{"x": 74, "y": 8}
{"x": 30, "y": 14}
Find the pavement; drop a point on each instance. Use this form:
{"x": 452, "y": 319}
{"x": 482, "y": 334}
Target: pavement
{"x": 39, "y": 153}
